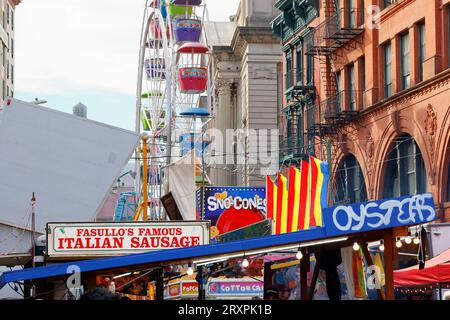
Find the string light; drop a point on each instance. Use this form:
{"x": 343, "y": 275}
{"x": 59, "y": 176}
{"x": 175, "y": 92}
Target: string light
{"x": 381, "y": 246}
{"x": 416, "y": 238}
{"x": 190, "y": 270}
{"x": 398, "y": 244}
{"x": 299, "y": 255}
{"x": 356, "y": 246}
{"x": 245, "y": 263}
{"x": 408, "y": 239}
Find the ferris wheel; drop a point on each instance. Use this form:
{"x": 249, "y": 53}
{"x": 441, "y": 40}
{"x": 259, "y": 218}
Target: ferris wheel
{"x": 173, "y": 79}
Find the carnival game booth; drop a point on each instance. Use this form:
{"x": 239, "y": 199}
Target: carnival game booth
{"x": 415, "y": 281}
{"x": 343, "y": 226}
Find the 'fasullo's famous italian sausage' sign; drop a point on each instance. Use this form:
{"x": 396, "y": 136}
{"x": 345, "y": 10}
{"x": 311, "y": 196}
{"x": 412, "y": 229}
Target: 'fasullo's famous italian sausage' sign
{"x": 105, "y": 239}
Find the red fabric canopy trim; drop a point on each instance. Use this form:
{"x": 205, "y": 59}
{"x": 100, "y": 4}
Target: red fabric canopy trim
{"x": 437, "y": 270}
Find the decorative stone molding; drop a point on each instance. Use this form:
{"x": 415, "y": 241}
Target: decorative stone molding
{"x": 430, "y": 126}
{"x": 370, "y": 147}
{"x": 395, "y": 119}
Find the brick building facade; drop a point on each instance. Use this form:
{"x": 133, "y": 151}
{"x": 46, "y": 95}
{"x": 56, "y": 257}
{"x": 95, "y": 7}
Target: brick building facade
{"x": 367, "y": 87}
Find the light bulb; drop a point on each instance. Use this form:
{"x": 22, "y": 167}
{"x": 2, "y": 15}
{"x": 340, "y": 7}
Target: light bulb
{"x": 190, "y": 271}
{"x": 299, "y": 255}
{"x": 398, "y": 244}
{"x": 381, "y": 246}
{"x": 245, "y": 263}
{"x": 408, "y": 240}
{"x": 356, "y": 246}
{"x": 416, "y": 240}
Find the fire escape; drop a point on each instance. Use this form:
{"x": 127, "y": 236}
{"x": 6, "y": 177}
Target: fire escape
{"x": 336, "y": 107}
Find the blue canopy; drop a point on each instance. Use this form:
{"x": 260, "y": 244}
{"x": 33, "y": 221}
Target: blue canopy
{"x": 165, "y": 256}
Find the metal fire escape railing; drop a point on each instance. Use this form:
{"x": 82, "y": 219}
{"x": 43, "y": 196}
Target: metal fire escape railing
{"x": 335, "y": 111}
{"x": 334, "y": 32}
{"x": 336, "y": 107}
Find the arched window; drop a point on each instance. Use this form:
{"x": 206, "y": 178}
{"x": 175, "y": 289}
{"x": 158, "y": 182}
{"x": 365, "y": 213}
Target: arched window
{"x": 405, "y": 173}
{"x": 350, "y": 184}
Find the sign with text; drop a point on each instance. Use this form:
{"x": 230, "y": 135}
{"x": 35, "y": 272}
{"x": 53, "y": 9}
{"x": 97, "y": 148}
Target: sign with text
{"x": 382, "y": 214}
{"x": 231, "y": 208}
{"x": 106, "y": 239}
{"x": 236, "y": 288}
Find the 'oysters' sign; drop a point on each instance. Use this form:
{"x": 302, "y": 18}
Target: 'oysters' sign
{"x": 383, "y": 214}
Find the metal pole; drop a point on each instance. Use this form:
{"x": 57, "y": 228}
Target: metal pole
{"x": 203, "y": 175}
{"x": 33, "y": 238}
{"x": 145, "y": 176}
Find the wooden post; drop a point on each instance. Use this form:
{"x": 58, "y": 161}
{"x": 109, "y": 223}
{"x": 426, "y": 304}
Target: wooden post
{"x": 389, "y": 264}
{"x": 369, "y": 260}
{"x": 304, "y": 266}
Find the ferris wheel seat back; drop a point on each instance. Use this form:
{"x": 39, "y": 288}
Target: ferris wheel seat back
{"x": 147, "y": 122}
{"x": 187, "y": 30}
{"x": 193, "y": 80}
{"x": 156, "y": 32}
{"x": 186, "y": 2}
{"x": 155, "y": 68}
{"x": 176, "y": 10}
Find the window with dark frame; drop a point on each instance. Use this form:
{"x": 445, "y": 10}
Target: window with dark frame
{"x": 350, "y": 183}
{"x": 421, "y": 48}
{"x": 405, "y": 171}
{"x": 309, "y": 70}
{"x": 300, "y": 130}
{"x": 351, "y": 87}
{"x": 387, "y": 70}
{"x": 405, "y": 73}
{"x": 299, "y": 62}
{"x": 289, "y": 70}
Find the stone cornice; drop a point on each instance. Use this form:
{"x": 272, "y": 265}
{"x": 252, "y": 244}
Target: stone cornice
{"x": 394, "y": 8}
{"x": 247, "y": 35}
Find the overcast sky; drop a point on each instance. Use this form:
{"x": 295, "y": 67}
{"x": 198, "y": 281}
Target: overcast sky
{"x": 85, "y": 50}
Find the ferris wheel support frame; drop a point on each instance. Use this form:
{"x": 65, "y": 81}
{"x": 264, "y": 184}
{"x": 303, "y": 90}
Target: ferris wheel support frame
{"x": 144, "y": 36}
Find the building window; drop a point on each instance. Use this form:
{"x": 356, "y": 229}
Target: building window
{"x": 421, "y": 48}
{"x": 351, "y": 87}
{"x": 12, "y": 19}
{"x": 310, "y": 70}
{"x": 299, "y": 63}
{"x": 351, "y": 13}
{"x": 7, "y": 70}
{"x": 12, "y": 74}
{"x": 387, "y": 70}
{"x": 300, "y": 131}
{"x": 405, "y": 170}
{"x": 350, "y": 184}
{"x": 310, "y": 121}
{"x": 404, "y": 61}
{"x": 289, "y": 134}
{"x": 289, "y": 71}
{"x": 362, "y": 71}
{"x": 386, "y": 3}
{"x": 12, "y": 48}
{"x": 7, "y": 14}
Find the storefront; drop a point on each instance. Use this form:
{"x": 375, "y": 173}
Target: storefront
{"x": 344, "y": 226}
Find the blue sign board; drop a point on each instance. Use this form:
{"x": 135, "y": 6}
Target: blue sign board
{"x": 231, "y": 208}
{"x": 382, "y": 214}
